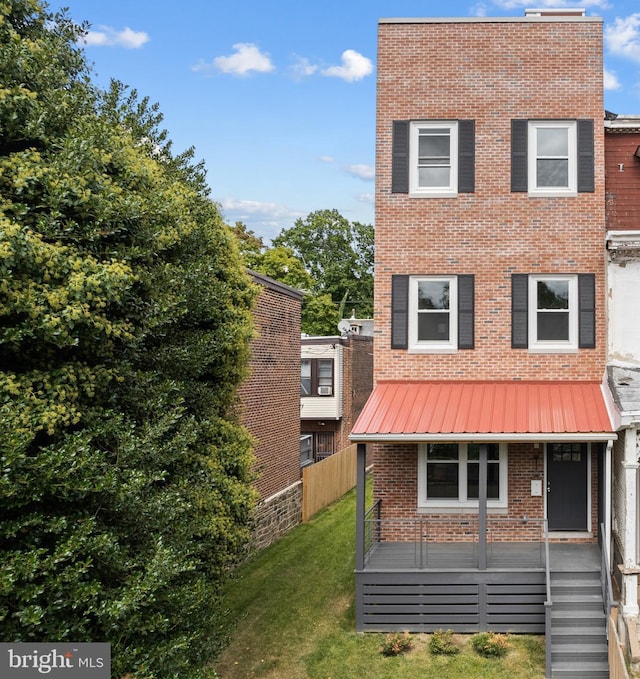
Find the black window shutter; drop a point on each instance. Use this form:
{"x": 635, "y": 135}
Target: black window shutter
{"x": 466, "y": 156}
{"x": 400, "y": 157}
{"x": 587, "y": 311}
{"x": 466, "y": 310}
{"x": 585, "y": 156}
{"x": 519, "y": 311}
{"x": 519, "y": 161}
{"x": 399, "y": 312}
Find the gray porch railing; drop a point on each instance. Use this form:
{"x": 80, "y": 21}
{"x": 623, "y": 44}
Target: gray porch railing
{"x": 548, "y": 604}
{"x": 423, "y": 534}
{"x": 605, "y": 577}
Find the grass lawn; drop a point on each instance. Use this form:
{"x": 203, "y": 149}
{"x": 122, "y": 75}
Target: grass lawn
{"x": 292, "y": 610}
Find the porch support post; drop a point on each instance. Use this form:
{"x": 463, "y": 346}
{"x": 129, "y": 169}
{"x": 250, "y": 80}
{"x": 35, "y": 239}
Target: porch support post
{"x": 361, "y": 498}
{"x": 630, "y": 464}
{"x": 482, "y": 509}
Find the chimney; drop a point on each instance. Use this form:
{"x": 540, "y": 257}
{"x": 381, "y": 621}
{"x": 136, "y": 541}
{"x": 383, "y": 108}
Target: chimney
{"x": 561, "y": 12}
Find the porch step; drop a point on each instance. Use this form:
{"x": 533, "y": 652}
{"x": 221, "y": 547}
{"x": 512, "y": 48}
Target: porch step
{"x": 583, "y": 670}
{"x": 578, "y": 627}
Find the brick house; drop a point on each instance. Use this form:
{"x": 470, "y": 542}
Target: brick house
{"x": 622, "y": 185}
{"x": 491, "y": 418}
{"x": 271, "y": 408}
{"x": 336, "y": 378}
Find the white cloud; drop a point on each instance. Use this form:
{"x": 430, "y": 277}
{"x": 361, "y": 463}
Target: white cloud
{"x": 247, "y": 58}
{"x": 368, "y": 198}
{"x": 109, "y": 37}
{"x": 611, "y": 81}
{"x": 366, "y": 172}
{"x": 622, "y": 38}
{"x": 327, "y": 159}
{"x": 354, "y": 67}
{"x": 265, "y": 219}
{"x": 302, "y": 68}
{"x": 251, "y": 208}
{"x": 479, "y": 9}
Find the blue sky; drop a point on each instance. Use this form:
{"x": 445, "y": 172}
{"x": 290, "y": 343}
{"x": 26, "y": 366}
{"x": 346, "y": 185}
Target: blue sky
{"x": 278, "y": 98}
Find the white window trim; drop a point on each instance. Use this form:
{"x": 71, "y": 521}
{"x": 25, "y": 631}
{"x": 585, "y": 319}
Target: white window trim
{"x": 424, "y": 502}
{"x": 572, "y": 188}
{"x": 432, "y": 346}
{"x": 440, "y": 191}
{"x": 548, "y": 346}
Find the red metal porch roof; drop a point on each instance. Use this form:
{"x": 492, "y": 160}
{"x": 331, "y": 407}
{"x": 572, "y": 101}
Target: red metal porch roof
{"x": 484, "y": 410}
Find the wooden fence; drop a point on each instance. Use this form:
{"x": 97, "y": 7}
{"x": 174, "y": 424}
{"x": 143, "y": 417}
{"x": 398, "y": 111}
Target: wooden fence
{"x": 328, "y": 480}
{"x": 617, "y": 665}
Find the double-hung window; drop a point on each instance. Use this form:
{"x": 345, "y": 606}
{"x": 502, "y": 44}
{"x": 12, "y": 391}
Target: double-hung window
{"x": 433, "y": 158}
{"x": 553, "y": 313}
{"x": 432, "y": 314}
{"x": 434, "y": 164}
{"x": 433, "y": 303}
{"x": 552, "y": 157}
{"x": 449, "y": 475}
{"x": 316, "y": 377}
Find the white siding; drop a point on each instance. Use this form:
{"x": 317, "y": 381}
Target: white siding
{"x": 324, "y": 407}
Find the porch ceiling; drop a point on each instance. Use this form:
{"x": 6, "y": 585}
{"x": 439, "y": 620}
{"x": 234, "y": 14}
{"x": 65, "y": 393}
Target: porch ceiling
{"x": 485, "y": 411}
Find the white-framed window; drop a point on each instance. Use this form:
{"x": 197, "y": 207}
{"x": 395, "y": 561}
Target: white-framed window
{"x": 316, "y": 377}
{"x": 552, "y": 154}
{"x": 449, "y": 473}
{"x": 433, "y": 166}
{"x": 553, "y": 313}
{"x": 433, "y": 317}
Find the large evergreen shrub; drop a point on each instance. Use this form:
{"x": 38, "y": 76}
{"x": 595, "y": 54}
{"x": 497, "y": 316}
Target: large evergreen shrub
{"x": 125, "y": 489}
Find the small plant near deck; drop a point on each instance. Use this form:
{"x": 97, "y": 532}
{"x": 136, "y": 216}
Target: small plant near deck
{"x": 441, "y": 643}
{"x": 490, "y": 645}
{"x": 396, "y": 643}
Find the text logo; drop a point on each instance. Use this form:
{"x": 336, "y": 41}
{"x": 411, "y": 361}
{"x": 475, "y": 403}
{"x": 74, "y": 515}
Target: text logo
{"x": 24, "y": 660}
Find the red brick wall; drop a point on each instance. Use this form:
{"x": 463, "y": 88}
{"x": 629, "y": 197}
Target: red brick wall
{"x": 358, "y": 383}
{"x": 622, "y": 187}
{"x": 396, "y": 485}
{"x": 270, "y": 397}
{"x": 491, "y": 72}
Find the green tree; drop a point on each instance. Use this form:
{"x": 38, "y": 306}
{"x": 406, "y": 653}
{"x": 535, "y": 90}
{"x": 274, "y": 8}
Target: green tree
{"x": 338, "y": 254}
{"x": 125, "y": 318}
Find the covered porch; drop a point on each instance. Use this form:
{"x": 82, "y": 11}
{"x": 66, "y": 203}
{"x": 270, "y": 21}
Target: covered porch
{"x": 483, "y": 560}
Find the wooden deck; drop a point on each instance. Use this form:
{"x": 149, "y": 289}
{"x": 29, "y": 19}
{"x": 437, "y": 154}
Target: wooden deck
{"x": 398, "y": 591}
{"x": 405, "y": 556}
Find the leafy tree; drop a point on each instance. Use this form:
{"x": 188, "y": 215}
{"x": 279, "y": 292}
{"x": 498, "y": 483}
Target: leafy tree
{"x": 125, "y": 486}
{"x": 339, "y": 256}
{"x": 252, "y": 247}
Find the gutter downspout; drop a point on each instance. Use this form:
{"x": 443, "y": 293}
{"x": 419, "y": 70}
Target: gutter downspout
{"x": 630, "y": 572}
{"x": 607, "y": 496}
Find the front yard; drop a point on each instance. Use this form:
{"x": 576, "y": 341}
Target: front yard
{"x": 293, "y": 607}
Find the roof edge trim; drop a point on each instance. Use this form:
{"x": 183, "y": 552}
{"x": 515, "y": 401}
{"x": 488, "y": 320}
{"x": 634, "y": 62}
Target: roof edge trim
{"x": 489, "y": 438}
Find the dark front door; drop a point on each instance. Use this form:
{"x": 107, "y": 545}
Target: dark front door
{"x": 567, "y": 486}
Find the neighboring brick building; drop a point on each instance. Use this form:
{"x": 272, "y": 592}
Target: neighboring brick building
{"x": 622, "y": 186}
{"x": 336, "y": 380}
{"x": 489, "y": 415}
{"x": 271, "y": 408}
